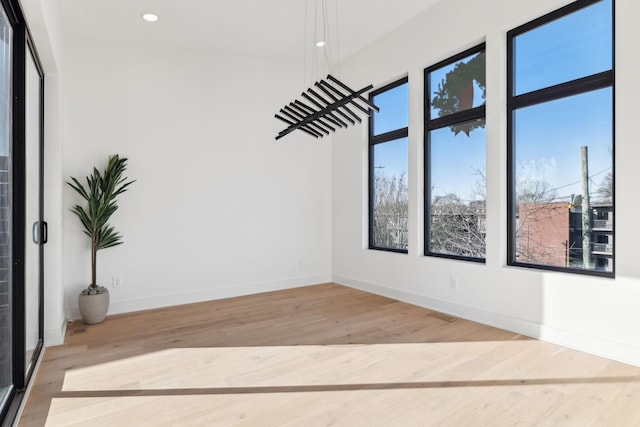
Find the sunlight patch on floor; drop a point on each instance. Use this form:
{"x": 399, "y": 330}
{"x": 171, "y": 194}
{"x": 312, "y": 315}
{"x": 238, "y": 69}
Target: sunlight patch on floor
{"x": 312, "y": 384}
{"x": 329, "y": 364}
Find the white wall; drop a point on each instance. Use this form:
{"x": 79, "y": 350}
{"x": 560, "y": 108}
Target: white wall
{"x": 219, "y": 208}
{"x": 594, "y": 314}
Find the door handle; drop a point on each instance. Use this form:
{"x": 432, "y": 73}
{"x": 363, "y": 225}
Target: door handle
{"x": 40, "y": 231}
{"x": 34, "y": 232}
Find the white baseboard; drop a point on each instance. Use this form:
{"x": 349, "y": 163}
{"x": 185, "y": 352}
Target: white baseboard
{"x": 595, "y": 345}
{"x": 55, "y": 336}
{"x": 168, "y": 300}
{"x": 603, "y": 347}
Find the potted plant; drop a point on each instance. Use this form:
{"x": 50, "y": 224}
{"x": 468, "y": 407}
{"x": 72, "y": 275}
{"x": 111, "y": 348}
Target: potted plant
{"x": 101, "y": 193}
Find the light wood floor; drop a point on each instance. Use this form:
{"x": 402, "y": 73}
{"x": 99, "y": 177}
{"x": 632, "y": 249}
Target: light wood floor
{"x": 322, "y": 355}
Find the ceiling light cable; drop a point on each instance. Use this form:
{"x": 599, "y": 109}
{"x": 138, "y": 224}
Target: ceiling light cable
{"x": 328, "y": 104}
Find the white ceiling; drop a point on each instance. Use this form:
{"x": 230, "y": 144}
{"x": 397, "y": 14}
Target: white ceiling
{"x": 269, "y": 28}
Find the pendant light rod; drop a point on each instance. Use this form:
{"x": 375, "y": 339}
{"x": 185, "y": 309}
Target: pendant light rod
{"x": 345, "y": 87}
{"x": 330, "y": 95}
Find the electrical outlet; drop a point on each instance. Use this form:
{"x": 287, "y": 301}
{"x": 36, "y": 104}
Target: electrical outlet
{"x": 453, "y": 282}
{"x": 115, "y": 282}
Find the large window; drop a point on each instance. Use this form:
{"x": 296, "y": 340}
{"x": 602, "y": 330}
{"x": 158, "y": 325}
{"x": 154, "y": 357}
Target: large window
{"x": 455, "y": 157}
{"x": 560, "y": 130}
{"x": 388, "y": 159}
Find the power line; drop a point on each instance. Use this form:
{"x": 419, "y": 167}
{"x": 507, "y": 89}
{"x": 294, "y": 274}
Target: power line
{"x": 579, "y": 181}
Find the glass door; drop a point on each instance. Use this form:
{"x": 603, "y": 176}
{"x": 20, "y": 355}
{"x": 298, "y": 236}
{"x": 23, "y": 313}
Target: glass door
{"x": 35, "y": 232}
{"x": 22, "y": 229}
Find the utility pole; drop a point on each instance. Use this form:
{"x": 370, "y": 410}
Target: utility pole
{"x": 586, "y": 210}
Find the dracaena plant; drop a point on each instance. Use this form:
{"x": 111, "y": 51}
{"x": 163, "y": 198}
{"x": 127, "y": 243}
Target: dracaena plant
{"x": 101, "y": 195}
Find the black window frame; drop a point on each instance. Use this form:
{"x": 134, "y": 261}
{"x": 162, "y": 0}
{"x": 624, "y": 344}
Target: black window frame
{"x": 554, "y": 92}
{"x": 430, "y": 124}
{"x": 373, "y": 140}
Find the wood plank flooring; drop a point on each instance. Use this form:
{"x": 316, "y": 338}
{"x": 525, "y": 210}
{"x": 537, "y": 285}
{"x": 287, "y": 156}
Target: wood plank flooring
{"x": 322, "y": 355}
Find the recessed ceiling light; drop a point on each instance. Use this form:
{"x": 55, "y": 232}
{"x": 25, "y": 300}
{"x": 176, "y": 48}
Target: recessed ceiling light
{"x": 321, "y": 43}
{"x": 150, "y": 17}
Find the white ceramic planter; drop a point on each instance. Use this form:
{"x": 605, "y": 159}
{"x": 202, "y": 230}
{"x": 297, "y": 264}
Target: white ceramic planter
{"x": 93, "y": 308}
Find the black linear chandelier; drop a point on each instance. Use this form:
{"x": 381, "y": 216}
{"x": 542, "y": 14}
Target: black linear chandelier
{"x": 325, "y": 106}
{"x": 325, "y": 114}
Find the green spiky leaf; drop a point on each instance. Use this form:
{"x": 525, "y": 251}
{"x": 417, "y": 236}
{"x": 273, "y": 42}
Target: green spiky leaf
{"x": 101, "y": 191}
